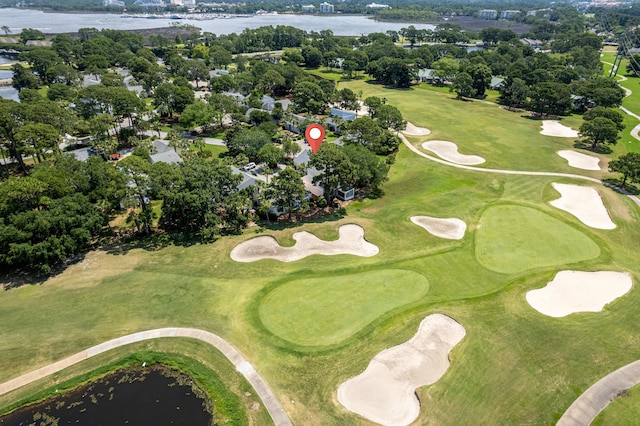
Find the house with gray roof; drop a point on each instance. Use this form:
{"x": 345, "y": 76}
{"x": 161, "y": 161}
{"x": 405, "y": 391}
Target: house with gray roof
{"x": 164, "y": 153}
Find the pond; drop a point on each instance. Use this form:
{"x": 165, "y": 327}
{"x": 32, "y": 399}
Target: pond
{"x": 151, "y": 396}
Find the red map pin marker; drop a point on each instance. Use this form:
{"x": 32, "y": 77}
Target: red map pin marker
{"x": 315, "y": 136}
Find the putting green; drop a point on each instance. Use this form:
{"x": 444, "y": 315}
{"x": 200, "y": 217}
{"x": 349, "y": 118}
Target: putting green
{"x": 512, "y": 239}
{"x": 327, "y": 310}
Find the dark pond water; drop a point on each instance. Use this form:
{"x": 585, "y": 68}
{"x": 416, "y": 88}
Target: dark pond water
{"x": 148, "y": 396}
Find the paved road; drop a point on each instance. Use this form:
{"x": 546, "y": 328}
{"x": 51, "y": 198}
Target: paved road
{"x": 599, "y": 395}
{"x": 269, "y": 400}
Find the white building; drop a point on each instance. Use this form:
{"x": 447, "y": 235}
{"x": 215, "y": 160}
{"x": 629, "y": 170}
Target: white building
{"x": 488, "y": 14}
{"x": 118, "y": 3}
{"x": 378, "y": 6}
{"x": 326, "y": 8}
{"x": 308, "y": 8}
{"x": 508, "y": 14}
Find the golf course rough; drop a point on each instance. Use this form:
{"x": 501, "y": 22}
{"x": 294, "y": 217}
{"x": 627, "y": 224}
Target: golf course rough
{"x": 513, "y": 239}
{"x": 323, "y": 311}
{"x": 385, "y": 392}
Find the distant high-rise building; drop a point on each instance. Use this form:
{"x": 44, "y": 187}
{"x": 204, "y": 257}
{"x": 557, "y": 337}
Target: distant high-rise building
{"x": 488, "y": 14}
{"x": 308, "y": 8}
{"x": 189, "y": 2}
{"x": 326, "y": 8}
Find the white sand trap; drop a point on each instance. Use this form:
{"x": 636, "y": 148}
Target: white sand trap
{"x": 584, "y": 203}
{"x": 580, "y": 160}
{"x": 449, "y": 151}
{"x": 450, "y": 228}
{"x": 351, "y": 241}
{"x": 575, "y": 291}
{"x": 413, "y": 130}
{"x": 553, "y": 128}
{"x": 385, "y": 392}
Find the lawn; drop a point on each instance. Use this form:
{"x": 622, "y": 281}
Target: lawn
{"x": 325, "y": 311}
{"x": 506, "y": 139}
{"x": 308, "y": 325}
{"x": 513, "y": 239}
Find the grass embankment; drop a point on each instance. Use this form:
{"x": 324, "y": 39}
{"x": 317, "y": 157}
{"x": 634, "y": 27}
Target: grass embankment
{"x": 514, "y": 366}
{"x": 214, "y": 374}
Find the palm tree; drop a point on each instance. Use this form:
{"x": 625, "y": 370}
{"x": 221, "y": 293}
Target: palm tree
{"x": 6, "y": 29}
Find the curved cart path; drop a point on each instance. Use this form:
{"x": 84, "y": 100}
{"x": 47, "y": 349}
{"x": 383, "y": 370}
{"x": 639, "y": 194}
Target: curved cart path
{"x": 242, "y": 365}
{"x": 515, "y": 172}
{"x": 600, "y": 394}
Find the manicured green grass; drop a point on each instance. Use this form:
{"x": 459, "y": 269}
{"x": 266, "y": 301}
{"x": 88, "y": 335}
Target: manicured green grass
{"x": 514, "y": 366}
{"x": 325, "y": 72}
{"x": 513, "y": 239}
{"x": 324, "y": 311}
{"x": 622, "y": 410}
{"x": 506, "y": 139}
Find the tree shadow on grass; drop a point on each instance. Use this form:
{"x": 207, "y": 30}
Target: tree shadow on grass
{"x": 282, "y": 225}
{"x": 586, "y": 145}
{"x": 153, "y": 242}
{"x": 616, "y": 185}
{"x": 17, "y": 277}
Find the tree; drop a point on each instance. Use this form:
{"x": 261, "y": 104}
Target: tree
{"x": 271, "y": 155}
{"x": 446, "y": 68}
{"x": 600, "y": 130}
{"x": 203, "y": 200}
{"x": 628, "y": 165}
{"x": 289, "y": 147}
{"x": 287, "y": 190}
{"x": 337, "y": 171}
{"x": 390, "y": 117}
{"x": 6, "y": 30}
{"x": 195, "y": 70}
{"x": 223, "y": 83}
{"x": 463, "y": 86}
{"x": 309, "y": 97}
{"x": 372, "y": 102}
{"x": 312, "y": 56}
{"x": 514, "y": 92}
{"x": 24, "y": 78}
{"x": 197, "y": 114}
{"x": 269, "y": 81}
{"x": 41, "y": 138}
{"x": 369, "y": 168}
{"x": 612, "y": 114}
{"x": 247, "y": 141}
{"x": 292, "y": 55}
{"x": 40, "y": 59}
{"x": 138, "y": 170}
{"x": 348, "y": 99}
{"x": 481, "y": 76}
{"x": 30, "y": 34}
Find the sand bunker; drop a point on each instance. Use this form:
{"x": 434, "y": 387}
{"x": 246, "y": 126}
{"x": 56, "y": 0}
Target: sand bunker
{"x": 584, "y": 203}
{"x": 351, "y": 241}
{"x": 580, "y": 160}
{"x": 449, "y": 151}
{"x": 553, "y": 128}
{"x": 385, "y": 392}
{"x": 450, "y": 228}
{"x": 412, "y": 130}
{"x": 575, "y": 291}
